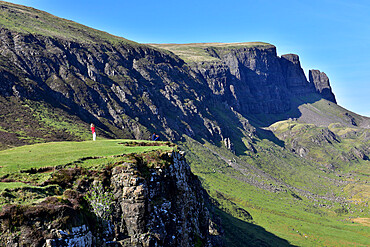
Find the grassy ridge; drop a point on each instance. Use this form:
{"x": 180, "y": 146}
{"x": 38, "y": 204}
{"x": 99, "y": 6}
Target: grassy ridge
{"x": 16, "y": 164}
{"x": 59, "y": 153}
{"x": 205, "y": 52}
{"x": 29, "y": 20}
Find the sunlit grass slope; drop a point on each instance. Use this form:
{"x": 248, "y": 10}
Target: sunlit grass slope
{"x": 29, "y": 20}
{"x": 61, "y": 153}
{"x": 295, "y": 206}
{"x": 29, "y": 174}
{"x": 207, "y": 52}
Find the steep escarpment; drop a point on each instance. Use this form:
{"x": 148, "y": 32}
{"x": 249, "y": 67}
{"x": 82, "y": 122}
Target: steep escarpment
{"x": 249, "y": 76}
{"x": 130, "y": 90}
{"x": 322, "y": 85}
{"x": 127, "y": 91}
{"x": 248, "y": 79}
{"x": 151, "y": 199}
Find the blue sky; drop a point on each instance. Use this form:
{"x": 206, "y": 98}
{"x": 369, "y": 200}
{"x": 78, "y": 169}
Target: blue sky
{"x": 330, "y": 35}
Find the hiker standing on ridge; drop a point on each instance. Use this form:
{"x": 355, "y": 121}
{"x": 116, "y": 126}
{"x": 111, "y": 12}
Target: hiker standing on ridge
{"x": 155, "y": 137}
{"x": 93, "y": 131}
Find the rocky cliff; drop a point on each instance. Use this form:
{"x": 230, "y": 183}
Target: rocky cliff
{"x": 322, "y": 84}
{"x": 130, "y": 90}
{"x": 156, "y": 204}
{"x": 254, "y": 79}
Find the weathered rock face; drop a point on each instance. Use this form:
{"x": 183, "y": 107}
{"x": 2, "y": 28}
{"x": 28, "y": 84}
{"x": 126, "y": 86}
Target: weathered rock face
{"x": 255, "y": 80}
{"x": 322, "y": 85}
{"x": 249, "y": 79}
{"x": 158, "y": 205}
{"x": 126, "y": 89}
{"x": 132, "y": 90}
{"x": 294, "y": 76}
{"x": 164, "y": 209}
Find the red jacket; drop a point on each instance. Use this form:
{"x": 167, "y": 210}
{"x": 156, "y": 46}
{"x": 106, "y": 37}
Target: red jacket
{"x": 93, "y": 129}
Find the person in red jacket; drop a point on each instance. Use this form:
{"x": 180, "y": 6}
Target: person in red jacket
{"x": 93, "y": 131}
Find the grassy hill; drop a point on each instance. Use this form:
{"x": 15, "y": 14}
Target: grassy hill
{"x": 304, "y": 179}
{"x": 306, "y": 202}
{"x": 28, "y": 172}
{"x": 204, "y": 52}
{"x": 29, "y": 20}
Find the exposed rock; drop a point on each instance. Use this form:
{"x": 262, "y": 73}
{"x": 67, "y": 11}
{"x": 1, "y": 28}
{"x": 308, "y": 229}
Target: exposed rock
{"x": 322, "y": 85}
{"x": 161, "y": 205}
{"x": 295, "y": 78}
{"x": 228, "y": 144}
{"x": 78, "y": 236}
{"x": 140, "y": 89}
{"x": 248, "y": 79}
{"x": 298, "y": 149}
{"x": 165, "y": 208}
{"x": 350, "y": 119}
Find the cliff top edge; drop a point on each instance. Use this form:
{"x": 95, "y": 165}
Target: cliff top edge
{"x": 208, "y": 52}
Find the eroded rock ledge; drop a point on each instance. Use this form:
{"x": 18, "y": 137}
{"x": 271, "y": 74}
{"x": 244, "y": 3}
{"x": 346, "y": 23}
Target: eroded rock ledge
{"x": 154, "y": 204}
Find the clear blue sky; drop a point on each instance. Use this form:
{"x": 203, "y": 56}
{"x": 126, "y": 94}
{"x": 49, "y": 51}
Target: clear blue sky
{"x": 330, "y": 35}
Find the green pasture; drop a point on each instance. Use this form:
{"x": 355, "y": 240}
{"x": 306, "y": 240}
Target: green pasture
{"x": 61, "y": 153}
{"x": 280, "y": 218}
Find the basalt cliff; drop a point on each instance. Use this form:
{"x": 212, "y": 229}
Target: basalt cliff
{"x": 131, "y": 90}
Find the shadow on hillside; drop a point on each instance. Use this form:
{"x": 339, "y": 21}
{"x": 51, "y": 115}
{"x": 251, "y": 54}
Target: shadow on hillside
{"x": 269, "y": 135}
{"x": 262, "y": 121}
{"x": 265, "y": 120}
{"x": 238, "y": 233}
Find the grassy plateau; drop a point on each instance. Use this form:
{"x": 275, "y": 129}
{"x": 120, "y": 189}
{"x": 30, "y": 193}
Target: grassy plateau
{"x": 27, "y": 172}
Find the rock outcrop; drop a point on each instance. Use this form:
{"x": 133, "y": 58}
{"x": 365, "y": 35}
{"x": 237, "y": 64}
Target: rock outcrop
{"x": 322, "y": 84}
{"x": 294, "y": 75}
{"x": 163, "y": 209}
{"x": 254, "y": 80}
{"x": 162, "y": 204}
{"x": 248, "y": 79}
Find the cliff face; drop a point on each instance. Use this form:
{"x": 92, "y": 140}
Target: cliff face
{"x": 322, "y": 84}
{"x": 255, "y": 80}
{"x": 158, "y": 205}
{"x": 116, "y": 82}
{"x": 166, "y": 209}
{"x": 248, "y": 79}
{"x": 130, "y": 90}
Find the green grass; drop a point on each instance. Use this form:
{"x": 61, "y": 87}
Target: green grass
{"x": 198, "y": 52}
{"x": 279, "y": 218}
{"x": 65, "y": 164}
{"x": 336, "y": 144}
{"x": 318, "y": 219}
{"x": 11, "y": 185}
{"x": 29, "y": 20}
{"x": 54, "y": 118}
{"x": 61, "y": 153}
